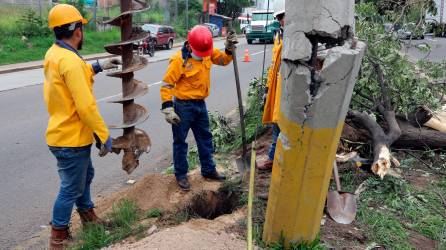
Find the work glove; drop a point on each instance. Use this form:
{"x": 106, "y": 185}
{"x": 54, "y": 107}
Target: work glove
{"x": 110, "y": 64}
{"x": 171, "y": 116}
{"x": 231, "y": 41}
{"x": 104, "y": 148}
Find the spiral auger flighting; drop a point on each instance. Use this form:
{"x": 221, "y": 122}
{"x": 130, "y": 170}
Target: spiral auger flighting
{"x": 134, "y": 141}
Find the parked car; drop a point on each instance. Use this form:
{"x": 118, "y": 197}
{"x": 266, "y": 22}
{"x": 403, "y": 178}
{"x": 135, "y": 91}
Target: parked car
{"x": 213, "y": 28}
{"x": 163, "y": 35}
{"x": 411, "y": 31}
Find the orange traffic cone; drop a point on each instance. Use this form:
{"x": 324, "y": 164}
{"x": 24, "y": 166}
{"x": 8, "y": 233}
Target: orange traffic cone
{"x": 247, "y": 57}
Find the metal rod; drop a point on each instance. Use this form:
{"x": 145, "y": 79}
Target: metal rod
{"x": 240, "y": 100}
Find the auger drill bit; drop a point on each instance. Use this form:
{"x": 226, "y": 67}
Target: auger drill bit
{"x": 134, "y": 141}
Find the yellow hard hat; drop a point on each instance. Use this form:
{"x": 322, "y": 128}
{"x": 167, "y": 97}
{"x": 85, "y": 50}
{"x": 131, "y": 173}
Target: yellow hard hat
{"x": 64, "y": 14}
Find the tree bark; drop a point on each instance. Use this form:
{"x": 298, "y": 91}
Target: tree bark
{"x": 382, "y": 158}
{"x": 421, "y": 138}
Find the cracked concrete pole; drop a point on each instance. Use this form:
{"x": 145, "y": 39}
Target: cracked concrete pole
{"x": 320, "y": 63}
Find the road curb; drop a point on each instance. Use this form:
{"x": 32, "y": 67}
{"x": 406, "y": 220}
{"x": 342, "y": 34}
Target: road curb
{"x": 39, "y": 64}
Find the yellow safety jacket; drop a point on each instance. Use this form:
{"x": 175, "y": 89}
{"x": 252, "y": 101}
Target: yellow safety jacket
{"x": 190, "y": 81}
{"x": 272, "y": 103}
{"x": 68, "y": 94}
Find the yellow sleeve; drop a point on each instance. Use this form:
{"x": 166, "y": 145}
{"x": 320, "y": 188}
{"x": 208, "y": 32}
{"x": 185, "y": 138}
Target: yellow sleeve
{"x": 173, "y": 74}
{"x": 77, "y": 81}
{"x": 220, "y": 58}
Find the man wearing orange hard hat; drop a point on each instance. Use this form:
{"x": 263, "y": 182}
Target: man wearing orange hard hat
{"x": 186, "y": 84}
{"x": 74, "y": 120}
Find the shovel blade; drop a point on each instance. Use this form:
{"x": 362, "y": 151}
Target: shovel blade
{"x": 341, "y": 207}
{"x": 243, "y": 163}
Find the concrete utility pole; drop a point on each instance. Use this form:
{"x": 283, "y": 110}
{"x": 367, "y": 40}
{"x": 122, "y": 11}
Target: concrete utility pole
{"x": 317, "y": 85}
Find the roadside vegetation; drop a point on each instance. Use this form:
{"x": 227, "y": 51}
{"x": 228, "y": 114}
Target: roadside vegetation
{"x": 404, "y": 210}
{"x": 123, "y": 220}
{"x": 24, "y": 35}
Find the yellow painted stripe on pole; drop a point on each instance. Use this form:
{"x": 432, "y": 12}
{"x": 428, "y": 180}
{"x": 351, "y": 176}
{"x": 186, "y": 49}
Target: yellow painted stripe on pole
{"x": 299, "y": 183}
{"x": 251, "y": 194}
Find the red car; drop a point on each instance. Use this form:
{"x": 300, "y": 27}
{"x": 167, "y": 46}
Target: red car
{"x": 164, "y": 35}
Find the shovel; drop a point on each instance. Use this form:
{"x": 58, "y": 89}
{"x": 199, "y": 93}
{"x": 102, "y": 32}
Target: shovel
{"x": 244, "y": 161}
{"x": 341, "y": 206}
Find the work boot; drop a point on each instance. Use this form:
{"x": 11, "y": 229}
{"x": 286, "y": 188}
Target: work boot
{"x": 89, "y": 217}
{"x": 215, "y": 176}
{"x": 266, "y": 165}
{"x": 184, "y": 184}
{"x": 60, "y": 238}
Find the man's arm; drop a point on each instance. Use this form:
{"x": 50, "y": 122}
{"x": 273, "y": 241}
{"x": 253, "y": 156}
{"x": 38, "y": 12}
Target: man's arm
{"x": 173, "y": 74}
{"x": 221, "y": 58}
{"x": 76, "y": 79}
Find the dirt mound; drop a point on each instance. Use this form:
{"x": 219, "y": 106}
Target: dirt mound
{"x": 157, "y": 191}
{"x": 199, "y": 234}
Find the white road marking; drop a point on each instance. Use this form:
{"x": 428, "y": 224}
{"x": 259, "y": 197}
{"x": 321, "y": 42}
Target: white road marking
{"x": 260, "y": 52}
{"x": 119, "y": 94}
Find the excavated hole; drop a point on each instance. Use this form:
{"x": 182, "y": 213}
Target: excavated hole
{"x": 210, "y": 205}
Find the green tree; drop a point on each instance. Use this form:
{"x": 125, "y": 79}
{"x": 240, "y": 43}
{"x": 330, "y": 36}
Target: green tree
{"x": 390, "y": 85}
{"x": 232, "y": 8}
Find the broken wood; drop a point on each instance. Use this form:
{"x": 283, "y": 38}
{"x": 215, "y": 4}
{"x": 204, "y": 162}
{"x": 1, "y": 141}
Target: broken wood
{"x": 382, "y": 159}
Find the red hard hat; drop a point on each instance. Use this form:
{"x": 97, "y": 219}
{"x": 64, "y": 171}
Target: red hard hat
{"x": 200, "y": 40}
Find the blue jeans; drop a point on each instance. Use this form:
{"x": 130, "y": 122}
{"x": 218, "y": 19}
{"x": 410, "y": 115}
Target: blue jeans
{"x": 76, "y": 174}
{"x": 193, "y": 115}
{"x": 272, "y": 149}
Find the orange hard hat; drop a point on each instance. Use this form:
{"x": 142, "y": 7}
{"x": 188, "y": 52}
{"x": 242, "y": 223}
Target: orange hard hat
{"x": 200, "y": 40}
{"x": 62, "y": 14}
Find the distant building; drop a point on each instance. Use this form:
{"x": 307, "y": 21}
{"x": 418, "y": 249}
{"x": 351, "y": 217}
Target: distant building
{"x": 263, "y": 4}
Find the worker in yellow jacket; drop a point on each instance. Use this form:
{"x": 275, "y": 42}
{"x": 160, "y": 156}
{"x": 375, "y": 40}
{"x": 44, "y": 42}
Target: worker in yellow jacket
{"x": 74, "y": 120}
{"x": 185, "y": 86}
{"x": 272, "y": 100}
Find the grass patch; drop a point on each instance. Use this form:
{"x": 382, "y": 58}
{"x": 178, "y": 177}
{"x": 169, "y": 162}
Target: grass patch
{"x": 384, "y": 228}
{"x": 192, "y": 158}
{"x": 154, "y": 213}
{"x": 124, "y": 217}
{"x": 392, "y": 207}
{"x": 14, "y": 50}
{"x": 280, "y": 245}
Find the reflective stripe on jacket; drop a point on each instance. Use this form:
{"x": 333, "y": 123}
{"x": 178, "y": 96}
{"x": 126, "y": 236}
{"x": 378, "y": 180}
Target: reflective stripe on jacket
{"x": 272, "y": 103}
{"x": 68, "y": 94}
{"x": 190, "y": 80}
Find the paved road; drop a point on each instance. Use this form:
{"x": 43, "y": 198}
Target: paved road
{"x": 437, "y": 45}
{"x": 29, "y": 179}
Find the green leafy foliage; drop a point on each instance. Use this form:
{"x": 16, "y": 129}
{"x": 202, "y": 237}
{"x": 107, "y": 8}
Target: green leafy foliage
{"x": 232, "y": 8}
{"x": 408, "y": 88}
{"x": 192, "y": 157}
{"x": 227, "y": 138}
{"x": 33, "y": 25}
{"x": 223, "y": 134}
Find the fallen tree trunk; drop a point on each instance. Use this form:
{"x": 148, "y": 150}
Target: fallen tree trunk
{"x": 382, "y": 157}
{"x": 419, "y": 138}
{"x": 411, "y": 137}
